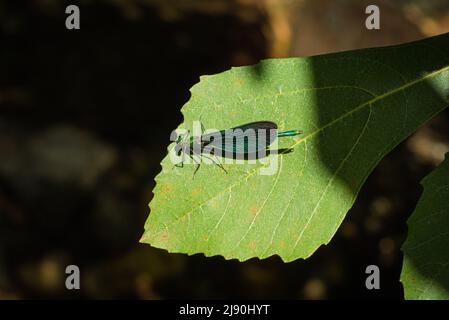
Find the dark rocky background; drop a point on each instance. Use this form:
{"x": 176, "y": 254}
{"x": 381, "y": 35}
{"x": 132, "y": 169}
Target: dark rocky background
{"x": 85, "y": 118}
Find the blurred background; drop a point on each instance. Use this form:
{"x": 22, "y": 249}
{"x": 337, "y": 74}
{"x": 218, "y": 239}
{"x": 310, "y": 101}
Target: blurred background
{"x": 85, "y": 118}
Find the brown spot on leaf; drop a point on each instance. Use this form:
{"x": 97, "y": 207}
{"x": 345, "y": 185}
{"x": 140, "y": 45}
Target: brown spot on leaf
{"x": 282, "y": 244}
{"x": 166, "y": 188}
{"x": 164, "y": 236}
{"x": 253, "y": 210}
{"x": 239, "y": 82}
{"x": 197, "y": 191}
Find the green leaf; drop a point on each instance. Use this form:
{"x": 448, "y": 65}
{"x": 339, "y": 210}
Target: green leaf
{"x": 353, "y": 107}
{"x": 425, "y": 272}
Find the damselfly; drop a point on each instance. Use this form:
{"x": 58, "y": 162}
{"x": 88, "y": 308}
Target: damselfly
{"x": 248, "y": 141}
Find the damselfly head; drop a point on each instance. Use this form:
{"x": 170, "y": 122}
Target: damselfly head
{"x": 179, "y": 136}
